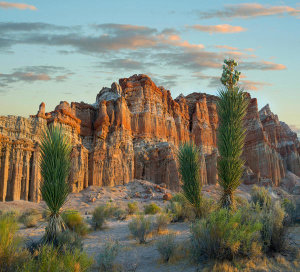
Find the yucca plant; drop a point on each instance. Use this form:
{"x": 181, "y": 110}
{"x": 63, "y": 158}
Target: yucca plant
{"x": 55, "y": 167}
{"x": 189, "y": 169}
{"x": 232, "y": 107}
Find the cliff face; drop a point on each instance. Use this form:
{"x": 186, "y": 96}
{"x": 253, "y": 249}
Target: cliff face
{"x": 133, "y": 131}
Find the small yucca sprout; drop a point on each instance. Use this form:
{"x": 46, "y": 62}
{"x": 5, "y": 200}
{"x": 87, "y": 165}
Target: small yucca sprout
{"x": 189, "y": 169}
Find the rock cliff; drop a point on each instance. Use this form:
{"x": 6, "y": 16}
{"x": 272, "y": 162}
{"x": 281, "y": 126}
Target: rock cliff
{"x": 132, "y": 131}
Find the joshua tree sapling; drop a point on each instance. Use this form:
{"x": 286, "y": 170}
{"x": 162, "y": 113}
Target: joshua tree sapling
{"x": 189, "y": 169}
{"x": 231, "y": 107}
{"x": 55, "y": 166}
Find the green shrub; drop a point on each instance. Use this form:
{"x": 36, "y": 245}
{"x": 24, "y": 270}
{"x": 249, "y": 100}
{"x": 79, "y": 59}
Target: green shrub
{"x": 75, "y": 222}
{"x": 30, "y": 221}
{"x": 261, "y": 196}
{"x": 289, "y": 207}
{"x": 225, "y": 235}
{"x": 120, "y": 214}
{"x": 241, "y": 202}
{"x": 11, "y": 254}
{"x": 106, "y": 258}
{"x": 112, "y": 209}
{"x": 132, "y": 208}
{"x": 166, "y": 246}
{"x": 161, "y": 222}
{"x": 151, "y": 208}
{"x": 30, "y": 218}
{"x": 49, "y": 258}
{"x": 180, "y": 211}
{"x": 70, "y": 241}
{"x": 273, "y": 233}
{"x": 179, "y": 197}
{"x": 140, "y": 227}
{"x": 100, "y": 215}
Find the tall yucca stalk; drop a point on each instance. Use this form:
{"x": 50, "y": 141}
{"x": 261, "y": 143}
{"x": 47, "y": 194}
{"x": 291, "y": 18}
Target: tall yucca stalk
{"x": 55, "y": 167}
{"x": 189, "y": 169}
{"x": 231, "y": 106}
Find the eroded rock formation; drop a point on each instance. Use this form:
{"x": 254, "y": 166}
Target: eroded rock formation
{"x": 133, "y": 131}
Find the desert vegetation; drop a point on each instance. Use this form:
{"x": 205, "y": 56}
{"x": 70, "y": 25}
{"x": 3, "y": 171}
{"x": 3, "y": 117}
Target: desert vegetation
{"x": 231, "y": 106}
{"x": 55, "y": 168}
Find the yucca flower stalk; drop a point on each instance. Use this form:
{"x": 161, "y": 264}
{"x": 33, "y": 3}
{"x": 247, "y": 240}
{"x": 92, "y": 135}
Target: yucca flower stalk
{"x": 55, "y": 167}
{"x": 189, "y": 170}
{"x": 232, "y": 107}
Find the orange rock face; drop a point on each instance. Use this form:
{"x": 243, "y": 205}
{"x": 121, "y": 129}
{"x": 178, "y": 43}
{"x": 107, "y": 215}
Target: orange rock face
{"x": 133, "y": 132}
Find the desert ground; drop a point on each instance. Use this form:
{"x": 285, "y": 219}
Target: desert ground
{"x": 145, "y": 257}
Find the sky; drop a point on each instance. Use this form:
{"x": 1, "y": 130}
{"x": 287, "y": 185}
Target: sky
{"x": 67, "y": 50}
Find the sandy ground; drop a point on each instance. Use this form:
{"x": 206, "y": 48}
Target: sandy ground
{"x": 144, "y": 257}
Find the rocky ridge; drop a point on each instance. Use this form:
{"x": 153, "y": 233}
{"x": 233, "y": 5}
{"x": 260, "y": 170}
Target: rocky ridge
{"x": 132, "y": 132}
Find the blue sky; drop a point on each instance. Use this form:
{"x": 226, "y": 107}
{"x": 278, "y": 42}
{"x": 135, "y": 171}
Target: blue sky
{"x": 68, "y": 50}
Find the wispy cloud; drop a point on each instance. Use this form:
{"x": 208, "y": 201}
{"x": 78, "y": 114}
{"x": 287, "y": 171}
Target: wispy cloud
{"x": 261, "y": 65}
{"x": 124, "y": 46}
{"x": 166, "y": 81}
{"x": 233, "y": 48}
{"x": 214, "y": 82}
{"x": 21, "y": 28}
{"x": 104, "y": 38}
{"x": 226, "y": 47}
{"x": 124, "y": 64}
{"x": 224, "y": 28}
{"x": 249, "y": 10}
{"x": 32, "y": 74}
{"x": 7, "y": 5}
{"x": 250, "y": 85}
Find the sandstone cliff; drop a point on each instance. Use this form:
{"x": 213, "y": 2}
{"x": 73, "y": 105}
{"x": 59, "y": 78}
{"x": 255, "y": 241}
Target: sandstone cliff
{"x": 133, "y": 131}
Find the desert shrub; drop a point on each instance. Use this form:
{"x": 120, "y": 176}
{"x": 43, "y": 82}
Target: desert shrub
{"x": 180, "y": 210}
{"x": 166, "y": 246}
{"x": 106, "y": 258}
{"x": 273, "y": 232}
{"x": 30, "y": 218}
{"x": 225, "y": 235}
{"x": 100, "y": 215}
{"x": 75, "y": 222}
{"x": 140, "y": 227}
{"x": 29, "y": 221}
{"x": 151, "y": 208}
{"x": 241, "y": 202}
{"x": 49, "y": 258}
{"x": 207, "y": 206}
{"x": 120, "y": 214}
{"x": 132, "y": 208}
{"x": 111, "y": 209}
{"x": 261, "y": 196}
{"x": 289, "y": 207}
{"x": 69, "y": 241}
{"x": 161, "y": 222}
{"x": 11, "y": 253}
{"x": 179, "y": 197}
